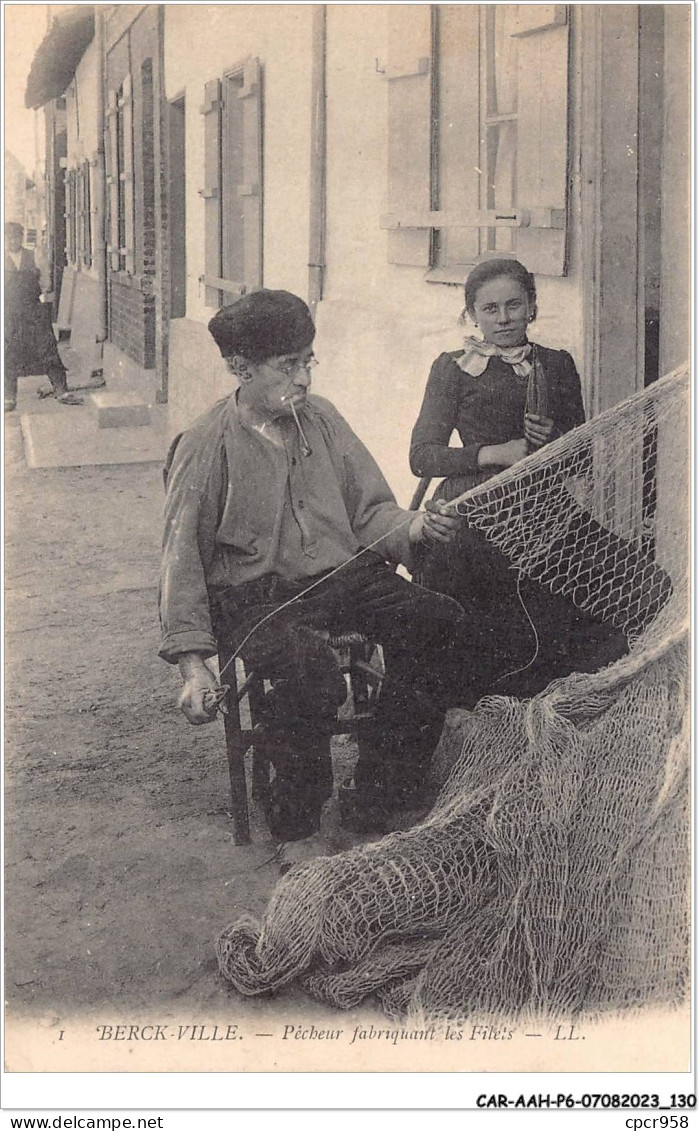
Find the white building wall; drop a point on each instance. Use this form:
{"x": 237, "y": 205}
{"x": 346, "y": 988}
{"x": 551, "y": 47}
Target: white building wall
{"x": 379, "y": 325}
{"x": 202, "y": 44}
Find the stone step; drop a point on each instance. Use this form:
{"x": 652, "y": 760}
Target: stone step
{"x": 71, "y": 438}
{"x": 121, "y": 409}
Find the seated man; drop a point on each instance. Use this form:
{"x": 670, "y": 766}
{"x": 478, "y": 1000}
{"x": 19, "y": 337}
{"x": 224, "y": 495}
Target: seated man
{"x": 270, "y": 498}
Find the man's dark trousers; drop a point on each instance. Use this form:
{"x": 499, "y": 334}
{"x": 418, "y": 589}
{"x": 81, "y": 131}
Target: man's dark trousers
{"x": 424, "y": 636}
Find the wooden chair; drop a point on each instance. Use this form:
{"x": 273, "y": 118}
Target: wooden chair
{"x": 360, "y": 663}
{"x": 247, "y": 691}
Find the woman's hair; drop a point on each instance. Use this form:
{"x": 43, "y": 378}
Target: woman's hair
{"x": 495, "y": 269}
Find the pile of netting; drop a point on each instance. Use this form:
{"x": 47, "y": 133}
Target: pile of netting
{"x": 552, "y": 874}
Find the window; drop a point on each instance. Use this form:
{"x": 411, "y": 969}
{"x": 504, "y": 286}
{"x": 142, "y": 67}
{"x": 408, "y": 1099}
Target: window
{"x": 478, "y": 136}
{"x": 177, "y": 206}
{"x": 77, "y": 216}
{"x": 84, "y": 215}
{"x": 232, "y": 189}
{"x": 120, "y": 179}
{"x": 145, "y": 210}
{"x": 499, "y": 105}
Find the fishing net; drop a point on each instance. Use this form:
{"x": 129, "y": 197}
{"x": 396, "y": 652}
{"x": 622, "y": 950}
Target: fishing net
{"x": 551, "y": 875}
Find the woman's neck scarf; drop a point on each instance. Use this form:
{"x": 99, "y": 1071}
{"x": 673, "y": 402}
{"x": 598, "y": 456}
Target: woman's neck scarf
{"x": 478, "y": 353}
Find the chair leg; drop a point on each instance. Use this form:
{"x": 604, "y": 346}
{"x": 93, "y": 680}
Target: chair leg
{"x": 236, "y": 746}
{"x": 260, "y": 764}
{"x": 260, "y": 774}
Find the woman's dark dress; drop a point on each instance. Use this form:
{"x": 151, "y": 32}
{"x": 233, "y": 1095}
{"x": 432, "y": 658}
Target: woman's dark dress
{"x": 489, "y": 410}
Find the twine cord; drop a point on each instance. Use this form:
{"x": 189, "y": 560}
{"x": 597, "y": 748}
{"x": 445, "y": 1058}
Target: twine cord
{"x": 453, "y": 503}
{"x": 309, "y": 588}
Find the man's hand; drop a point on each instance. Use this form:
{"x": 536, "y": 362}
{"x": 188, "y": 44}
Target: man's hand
{"x": 198, "y": 679}
{"x": 503, "y": 455}
{"x": 537, "y": 430}
{"x": 437, "y": 523}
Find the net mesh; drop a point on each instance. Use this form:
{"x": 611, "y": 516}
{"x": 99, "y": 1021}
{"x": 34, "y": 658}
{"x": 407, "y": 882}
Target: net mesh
{"x": 551, "y": 875}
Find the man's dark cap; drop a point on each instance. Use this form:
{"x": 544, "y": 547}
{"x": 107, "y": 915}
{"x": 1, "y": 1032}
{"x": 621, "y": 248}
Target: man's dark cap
{"x": 263, "y": 324}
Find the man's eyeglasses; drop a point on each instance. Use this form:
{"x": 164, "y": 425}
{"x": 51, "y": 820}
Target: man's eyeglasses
{"x": 293, "y": 364}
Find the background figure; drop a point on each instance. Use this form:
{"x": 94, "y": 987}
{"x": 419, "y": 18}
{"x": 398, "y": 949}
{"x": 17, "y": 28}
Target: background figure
{"x": 30, "y": 345}
{"x": 506, "y": 397}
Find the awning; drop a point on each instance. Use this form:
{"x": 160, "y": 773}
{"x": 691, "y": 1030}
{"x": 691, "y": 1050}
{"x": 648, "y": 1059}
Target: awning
{"x": 58, "y": 55}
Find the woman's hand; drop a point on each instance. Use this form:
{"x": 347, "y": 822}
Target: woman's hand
{"x": 538, "y": 430}
{"x": 437, "y": 523}
{"x": 198, "y": 679}
{"x": 503, "y": 455}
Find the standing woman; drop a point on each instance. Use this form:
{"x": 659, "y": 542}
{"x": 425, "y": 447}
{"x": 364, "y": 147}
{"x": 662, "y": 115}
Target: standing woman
{"x": 505, "y": 397}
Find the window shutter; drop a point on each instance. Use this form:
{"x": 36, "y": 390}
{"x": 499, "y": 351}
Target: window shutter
{"x": 87, "y": 216}
{"x": 232, "y": 180}
{"x": 542, "y": 131}
{"x": 97, "y": 203}
{"x": 80, "y": 214}
{"x": 112, "y": 169}
{"x": 66, "y": 214}
{"x": 71, "y": 214}
{"x": 250, "y": 189}
{"x": 211, "y": 192}
{"x": 409, "y": 129}
{"x": 128, "y": 177}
